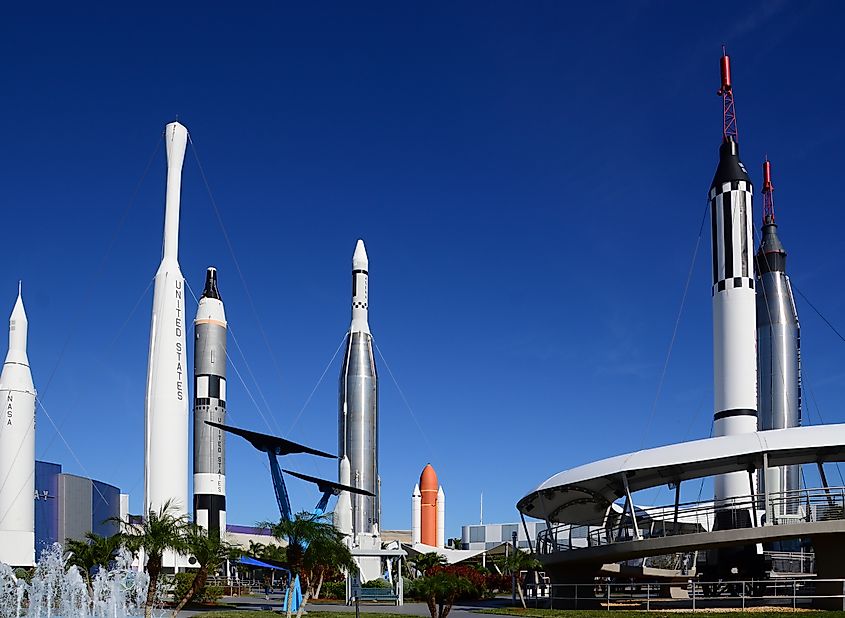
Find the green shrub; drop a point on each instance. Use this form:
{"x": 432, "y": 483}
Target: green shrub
{"x": 24, "y": 574}
{"x": 377, "y": 583}
{"x": 207, "y": 594}
{"x": 333, "y": 590}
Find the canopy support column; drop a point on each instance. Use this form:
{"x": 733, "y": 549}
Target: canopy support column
{"x": 767, "y": 496}
{"x": 677, "y": 504}
{"x": 753, "y": 494}
{"x": 823, "y": 476}
{"x": 630, "y": 502}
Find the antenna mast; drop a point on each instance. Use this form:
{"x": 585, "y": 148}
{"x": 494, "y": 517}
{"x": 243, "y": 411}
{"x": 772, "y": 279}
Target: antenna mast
{"x": 726, "y": 92}
{"x": 768, "y": 194}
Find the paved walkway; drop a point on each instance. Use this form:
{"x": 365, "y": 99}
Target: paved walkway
{"x": 408, "y": 609}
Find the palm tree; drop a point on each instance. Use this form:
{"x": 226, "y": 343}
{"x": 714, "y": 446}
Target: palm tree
{"x": 312, "y": 541}
{"x": 210, "y": 552}
{"x": 160, "y": 531}
{"x": 92, "y": 552}
{"x": 424, "y": 562}
{"x": 323, "y": 557}
{"x": 440, "y": 591}
{"x": 517, "y": 562}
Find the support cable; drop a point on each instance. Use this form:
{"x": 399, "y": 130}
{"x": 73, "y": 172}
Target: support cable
{"x": 75, "y": 324}
{"x": 405, "y": 399}
{"x": 237, "y": 265}
{"x": 675, "y": 328}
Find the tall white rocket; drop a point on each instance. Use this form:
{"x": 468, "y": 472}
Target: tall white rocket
{"x": 17, "y": 448}
{"x": 166, "y": 405}
{"x": 734, "y": 305}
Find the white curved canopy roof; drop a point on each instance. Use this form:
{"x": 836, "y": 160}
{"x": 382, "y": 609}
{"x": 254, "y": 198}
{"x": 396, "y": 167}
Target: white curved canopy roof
{"x": 581, "y": 495}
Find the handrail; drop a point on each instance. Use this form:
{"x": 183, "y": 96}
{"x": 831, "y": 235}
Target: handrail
{"x": 785, "y": 508}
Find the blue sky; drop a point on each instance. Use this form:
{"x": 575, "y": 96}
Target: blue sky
{"x": 529, "y": 179}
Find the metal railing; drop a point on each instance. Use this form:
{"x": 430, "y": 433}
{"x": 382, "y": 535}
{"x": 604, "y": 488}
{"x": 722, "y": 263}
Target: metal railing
{"x": 690, "y": 595}
{"x": 783, "y": 508}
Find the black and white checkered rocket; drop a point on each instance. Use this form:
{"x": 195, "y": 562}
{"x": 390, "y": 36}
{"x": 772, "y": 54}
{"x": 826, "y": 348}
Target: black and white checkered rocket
{"x": 210, "y": 405}
{"x": 734, "y": 310}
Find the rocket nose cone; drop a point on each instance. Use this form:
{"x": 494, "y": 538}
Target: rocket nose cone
{"x": 416, "y": 493}
{"x": 730, "y": 167}
{"x": 771, "y": 256}
{"x": 211, "y": 290}
{"x": 175, "y": 130}
{"x": 176, "y": 140}
{"x": 359, "y": 258}
{"x": 428, "y": 479}
{"x": 18, "y": 311}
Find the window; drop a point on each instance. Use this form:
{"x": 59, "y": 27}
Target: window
{"x": 507, "y": 532}
{"x": 476, "y": 534}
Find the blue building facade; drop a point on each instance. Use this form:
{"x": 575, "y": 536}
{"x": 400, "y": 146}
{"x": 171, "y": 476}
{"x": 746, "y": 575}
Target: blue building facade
{"x": 69, "y": 506}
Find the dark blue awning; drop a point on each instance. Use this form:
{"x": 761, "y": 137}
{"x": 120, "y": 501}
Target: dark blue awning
{"x": 258, "y": 563}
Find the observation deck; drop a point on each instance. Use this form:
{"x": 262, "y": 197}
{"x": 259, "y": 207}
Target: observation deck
{"x": 585, "y": 527}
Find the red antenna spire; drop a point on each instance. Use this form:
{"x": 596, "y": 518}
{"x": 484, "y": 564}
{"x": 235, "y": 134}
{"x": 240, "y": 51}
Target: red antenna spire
{"x": 726, "y": 92}
{"x": 768, "y": 190}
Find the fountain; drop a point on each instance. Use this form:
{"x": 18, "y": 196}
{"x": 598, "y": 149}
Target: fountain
{"x": 57, "y": 590}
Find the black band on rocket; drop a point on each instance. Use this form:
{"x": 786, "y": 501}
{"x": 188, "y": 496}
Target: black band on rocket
{"x": 735, "y": 412}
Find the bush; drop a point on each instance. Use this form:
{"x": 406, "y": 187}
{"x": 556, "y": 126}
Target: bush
{"x": 477, "y": 588}
{"x": 207, "y": 594}
{"x": 377, "y": 583}
{"x": 24, "y": 574}
{"x": 333, "y": 590}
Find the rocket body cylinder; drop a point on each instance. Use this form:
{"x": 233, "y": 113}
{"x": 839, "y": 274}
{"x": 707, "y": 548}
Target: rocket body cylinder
{"x": 734, "y": 310}
{"x": 210, "y": 405}
{"x": 166, "y": 401}
{"x": 358, "y": 403}
{"x": 778, "y": 354}
{"x": 17, "y": 448}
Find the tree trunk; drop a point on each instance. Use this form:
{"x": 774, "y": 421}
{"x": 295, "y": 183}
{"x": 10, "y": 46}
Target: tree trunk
{"x": 199, "y": 581}
{"x": 319, "y": 585}
{"x": 305, "y": 598}
{"x": 432, "y": 606}
{"x": 153, "y": 570}
{"x": 519, "y": 590}
{"x": 445, "y": 608}
{"x": 289, "y": 603}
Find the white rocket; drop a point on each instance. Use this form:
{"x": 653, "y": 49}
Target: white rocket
{"x": 342, "y": 515}
{"x": 441, "y": 517}
{"x": 734, "y": 305}
{"x": 166, "y": 405}
{"x": 416, "y": 508}
{"x": 358, "y": 410}
{"x": 17, "y": 448}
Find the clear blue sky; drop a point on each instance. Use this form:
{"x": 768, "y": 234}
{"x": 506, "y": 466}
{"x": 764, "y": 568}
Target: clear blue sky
{"x": 529, "y": 179}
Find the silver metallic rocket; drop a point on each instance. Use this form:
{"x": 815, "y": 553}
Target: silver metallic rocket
{"x": 778, "y": 343}
{"x": 166, "y": 404}
{"x": 358, "y": 408}
{"x": 734, "y": 304}
{"x": 17, "y": 447}
{"x": 210, "y": 405}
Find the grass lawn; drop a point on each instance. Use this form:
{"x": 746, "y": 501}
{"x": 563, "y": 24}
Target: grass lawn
{"x": 310, "y": 614}
{"x": 603, "y": 613}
